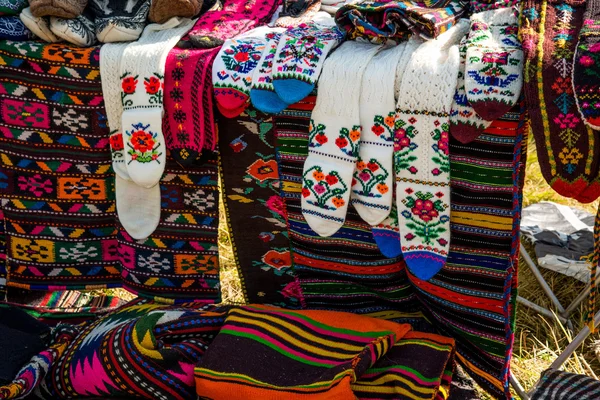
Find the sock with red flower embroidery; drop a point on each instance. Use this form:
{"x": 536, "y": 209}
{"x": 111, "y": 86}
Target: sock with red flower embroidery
{"x": 494, "y": 63}
{"x": 233, "y": 69}
{"x": 142, "y": 82}
{"x": 374, "y": 175}
{"x": 334, "y": 138}
{"x": 387, "y": 235}
{"x": 421, "y": 152}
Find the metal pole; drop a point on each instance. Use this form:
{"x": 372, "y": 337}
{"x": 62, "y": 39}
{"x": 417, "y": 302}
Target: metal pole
{"x": 541, "y": 280}
{"x": 579, "y": 299}
{"x": 518, "y": 388}
{"x": 540, "y": 309}
{"x": 579, "y": 339}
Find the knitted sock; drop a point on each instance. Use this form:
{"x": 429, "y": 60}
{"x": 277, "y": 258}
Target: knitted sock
{"x": 262, "y": 91}
{"x": 494, "y": 64}
{"x": 465, "y": 124}
{"x": 57, "y": 8}
{"x": 78, "y": 31}
{"x": 387, "y": 235}
{"x": 334, "y": 139}
{"x": 12, "y": 7}
{"x": 163, "y": 10}
{"x": 40, "y": 27}
{"x": 234, "y": 66}
{"x": 138, "y": 208}
{"x": 142, "y": 74}
{"x": 374, "y": 175}
{"x": 298, "y": 13}
{"x": 586, "y": 76}
{"x": 12, "y": 28}
{"x": 566, "y": 148}
{"x": 410, "y": 47}
{"x": 299, "y": 59}
{"x": 232, "y": 113}
{"x": 119, "y": 21}
{"x": 421, "y": 152}
{"x": 317, "y": 354}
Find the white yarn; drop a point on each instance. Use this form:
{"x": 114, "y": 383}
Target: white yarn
{"x": 409, "y": 48}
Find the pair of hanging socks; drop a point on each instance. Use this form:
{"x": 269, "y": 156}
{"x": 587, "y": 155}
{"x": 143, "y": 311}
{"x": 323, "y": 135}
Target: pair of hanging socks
{"x": 387, "y": 235}
{"x": 138, "y": 208}
{"x": 465, "y": 124}
{"x": 334, "y": 138}
{"x": 566, "y": 147}
{"x": 422, "y": 152}
{"x": 586, "y": 75}
{"x": 374, "y": 174}
{"x": 494, "y": 63}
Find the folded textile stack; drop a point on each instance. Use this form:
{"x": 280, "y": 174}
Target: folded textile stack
{"x": 11, "y": 27}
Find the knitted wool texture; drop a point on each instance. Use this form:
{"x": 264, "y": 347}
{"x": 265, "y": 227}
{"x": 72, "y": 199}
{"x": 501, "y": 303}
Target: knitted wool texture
{"x": 334, "y": 138}
{"x": 142, "y": 83}
{"x": 465, "y": 124}
{"x": 262, "y": 91}
{"x": 586, "y": 77}
{"x": 300, "y": 57}
{"x": 163, "y": 10}
{"x": 12, "y": 7}
{"x": 234, "y": 67}
{"x": 119, "y": 21}
{"x": 494, "y": 63}
{"x": 78, "y": 31}
{"x": 374, "y": 175}
{"x": 387, "y": 234}
{"x": 566, "y": 148}
{"x": 57, "y": 8}
{"x": 318, "y": 354}
{"x": 189, "y": 122}
{"x": 421, "y": 152}
{"x": 12, "y": 28}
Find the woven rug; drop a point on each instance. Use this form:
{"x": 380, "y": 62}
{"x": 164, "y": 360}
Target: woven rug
{"x": 255, "y": 210}
{"x": 56, "y": 185}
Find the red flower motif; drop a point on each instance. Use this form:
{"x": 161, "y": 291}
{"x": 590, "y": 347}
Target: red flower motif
{"x": 152, "y": 85}
{"x": 275, "y": 204}
{"x": 305, "y": 192}
{"x": 116, "y": 142}
{"x": 443, "y": 143}
{"x": 341, "y": 142}
{"x": 413, "y": 170}
{"x": 425, "y": 210}
{"x": 331, "y": 179}
{"x": 372, "y": 166}
{"x": 129, "y": 84}
{"x": 142, "y": 141}
{"x": 402, "y": 141}
{"x": 321, "y": 138}
{"x": 377, "y": 129}
{"x": 241, "y": 57}
{"x": 443, "y": 242}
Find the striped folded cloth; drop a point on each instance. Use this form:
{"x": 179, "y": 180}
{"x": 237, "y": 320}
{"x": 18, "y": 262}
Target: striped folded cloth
{"x": 264, "y": 352}
{"x": 560, "y": 385}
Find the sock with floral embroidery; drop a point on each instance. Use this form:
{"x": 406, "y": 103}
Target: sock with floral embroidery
{"x": 421, "y": 152}
{"x": 586, "y": 76}
{"x": 465, "y": 124}
{"x": 387, "y": 235}
{"x": 262, "y": 92}
{"x": 234, "y": 66}
{"x": 494, "y": 64}
{"x": 142, "y": 75}
{"x": 300, "y": 57}
{"x": 374, "y": 175}
{"x": 334, "y": 138}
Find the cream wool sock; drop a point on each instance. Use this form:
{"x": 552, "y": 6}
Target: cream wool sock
{"x": 465, "y": 124}
{"x": 142, "y": 83}
{"x": 421, "y": 152}
{"x": 138, "y": 208}
{"x": 374, "y": 175}
{"x": 334, "y": 138}
{"x": 410, "y": 47}
{"x": 494, "y": 64}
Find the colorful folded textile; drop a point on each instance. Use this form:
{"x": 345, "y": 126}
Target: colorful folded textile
{"x": 12, "y": 28}
{"x": 419, "y": 366}
{"x": 485, "y": 5}
{"x": 143, "y": 349}
{"x": 277, "y": 354}
{"x": 12, "y": 7}
{"x": 397, "y": 20}
{"x": 561, "y": 385}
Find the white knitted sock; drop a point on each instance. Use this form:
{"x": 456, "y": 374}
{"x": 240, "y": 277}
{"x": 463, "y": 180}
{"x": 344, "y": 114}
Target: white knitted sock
{"x": 142, "y": 74}
{"x": 421, "y": 152}
{"x": 138, "y": 208}
{"x": 465, "y": 124}
{"x": 334, "y": 138}
{"x": 374, "y": 174}
{"x": 494, "y": 64}
{"x": 410, "y": 47}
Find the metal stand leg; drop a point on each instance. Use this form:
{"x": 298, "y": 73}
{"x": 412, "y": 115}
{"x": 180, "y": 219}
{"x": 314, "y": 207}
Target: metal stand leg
{"x": 541, "y": 310}
{"x": 579, "y": 339}
{"x": 518, "y": 388}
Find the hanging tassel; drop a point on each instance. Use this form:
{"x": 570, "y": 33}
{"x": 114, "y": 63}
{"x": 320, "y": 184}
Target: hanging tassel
{"x": 594, "y": 269}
